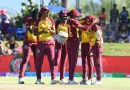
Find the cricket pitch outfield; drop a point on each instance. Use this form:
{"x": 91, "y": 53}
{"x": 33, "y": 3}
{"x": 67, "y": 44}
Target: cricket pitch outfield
{"x": 10, "y": 83}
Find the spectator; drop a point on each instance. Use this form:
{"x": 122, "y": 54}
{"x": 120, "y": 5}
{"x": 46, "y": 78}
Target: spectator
{"x": 12, "y": 29}
{"x": 5, "y": 16}
{"x": 114, "y": 25}
{"x": 11, "y": 45}
{"x": 102, "y": 16}
{"x": 124, "y": 16}
{"x": 109, "y": 34}
{"x": 4, "y": 27}
{"x": 124, "y": 12}
{"x": 1, "y": 36}
{"x": 114, "y": 13}
{"x": 123, "y": 34}
{"x": 103, "y": 25}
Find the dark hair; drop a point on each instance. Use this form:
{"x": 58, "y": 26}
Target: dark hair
{"x": 124, "y": 8}
{"x": 39, "y": 15}
{"x": 114, "y": 5}
{"x": 11, "y": 37}
{"x": 34, "y": 13}
{"x": 71, "y": 16}
{"x": 103, "y": 9}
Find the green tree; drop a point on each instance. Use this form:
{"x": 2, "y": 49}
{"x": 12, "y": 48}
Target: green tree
{"x": 25, "y": 12}
{"x": 54, "y": 2}
{"x": 89, "y": 7}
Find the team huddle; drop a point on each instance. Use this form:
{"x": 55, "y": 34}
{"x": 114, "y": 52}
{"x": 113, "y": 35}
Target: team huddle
{"x": 60, "y": 40}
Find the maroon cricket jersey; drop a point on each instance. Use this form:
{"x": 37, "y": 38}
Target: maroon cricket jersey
{"x": 95, "y": 28}
{"x": 28, "y": 22}
{"x": 56, "y": 24}
{"x": 75, "y": 26}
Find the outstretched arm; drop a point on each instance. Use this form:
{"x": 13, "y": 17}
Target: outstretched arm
{"x": 17, "y": 45}
{"x": 81, "y": 27}
{"x": 7, "y": 45}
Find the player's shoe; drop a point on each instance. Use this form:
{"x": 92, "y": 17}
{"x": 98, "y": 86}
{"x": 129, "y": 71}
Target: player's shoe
{"x": 97, "y": 83}
{"x": 89, "y": 82}
{"x": 62, "y": 81}
{"x": 54, "y": 81}
{"x": 82, "y": 82}
{"x": 39, "y": 81}
{"x": 20, "y": 81}
{"x": 72, "y": 82}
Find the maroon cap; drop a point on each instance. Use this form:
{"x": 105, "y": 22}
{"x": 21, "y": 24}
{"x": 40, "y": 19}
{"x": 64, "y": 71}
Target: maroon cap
{"x": 74, "y": 12}
{"x": 44, "y": 9}
{"x": 63, "y": 13}
{"x": 89, "y": 19}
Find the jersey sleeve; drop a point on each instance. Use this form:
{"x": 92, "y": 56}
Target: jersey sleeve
{"x": 81, "y": 27}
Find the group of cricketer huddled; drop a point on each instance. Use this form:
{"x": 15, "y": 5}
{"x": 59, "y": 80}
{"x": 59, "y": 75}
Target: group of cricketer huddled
{"x": 60, "y": 40}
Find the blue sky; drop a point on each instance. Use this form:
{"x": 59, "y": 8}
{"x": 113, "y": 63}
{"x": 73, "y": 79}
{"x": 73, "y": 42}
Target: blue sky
{"x": 15, "y": 5}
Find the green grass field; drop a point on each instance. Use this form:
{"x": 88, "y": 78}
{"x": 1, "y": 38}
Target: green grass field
{"x": 110, "y": 49}
{"x": 10, "y": 83}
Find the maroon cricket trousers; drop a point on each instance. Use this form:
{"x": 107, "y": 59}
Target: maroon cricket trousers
{"x": 27, "y": 47}
{"x": 97, "y": 57}
{"x": 60, "y": 58}
{"x": 45, "y": 48}
{"x": 86, "y": 60}
{"x": 73, "y": 47}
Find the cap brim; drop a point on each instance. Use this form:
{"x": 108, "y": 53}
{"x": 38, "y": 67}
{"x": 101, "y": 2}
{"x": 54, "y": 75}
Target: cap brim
{"x": 78, "y": 14}
{"x": 47, "y": 11}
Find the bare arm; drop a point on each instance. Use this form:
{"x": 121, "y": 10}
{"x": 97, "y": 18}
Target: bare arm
{"x": 81, "y": 27}
{"x": 17, "y": 45}
{"x": 29, "y": 28}
{"x": 7, "y": 45}
{"x": 36, "y": 33}
{"x": 52, "y": 31}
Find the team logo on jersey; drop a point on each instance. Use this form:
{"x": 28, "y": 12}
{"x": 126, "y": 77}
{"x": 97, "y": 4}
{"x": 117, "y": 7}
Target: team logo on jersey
{"x": 38, "y": 51}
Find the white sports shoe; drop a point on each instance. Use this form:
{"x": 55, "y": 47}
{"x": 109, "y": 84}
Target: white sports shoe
{"x": 72, "y": 82}
{"x": 54, "y": 81}
{"x": 62, "y": 82}
{"x": 97, "y": 83}
{"x": 88, "y": 82}
{"x": 21, "y": 81}
{"x": 39, "y": 81}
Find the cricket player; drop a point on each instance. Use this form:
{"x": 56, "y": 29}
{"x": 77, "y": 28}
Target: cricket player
{"x": 73, "y": 41}
{"x": 86, "y": 47}
{"x": 29, "y": 44}
{"x": 45, "y": 45}
{"x": 62, "y": 29}
{"x": 97, "y": 49}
